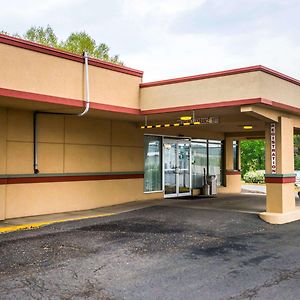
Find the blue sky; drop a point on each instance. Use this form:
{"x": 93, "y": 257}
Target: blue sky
{"x": 173, "y": 38}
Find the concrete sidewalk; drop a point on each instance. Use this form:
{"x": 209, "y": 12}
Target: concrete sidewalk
{"x": 249, "y": 203}
{"x": 43, "y": 220}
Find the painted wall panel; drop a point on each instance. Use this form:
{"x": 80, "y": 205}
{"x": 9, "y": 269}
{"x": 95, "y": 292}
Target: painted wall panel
{"x": 26, "y": 199}
{"x": 226, "y": 88}
{"x": 50, "y": 128}
{"x": 127, "y": 159}
{"x": 19, "y": 125}
{"x": 3, "y": 133}
{"x": 30, "y": 71}
{"x": 87, "y": 131}
{"x": 127, "y": 134}
{"x": 19, "y": 157}
{"x": 51, "y": 158}
{"x": 2, "y": 201}
{"x": 87, "y": 158}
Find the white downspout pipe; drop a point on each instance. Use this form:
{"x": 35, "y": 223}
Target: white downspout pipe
{"x": 87, "y": 107}
{"x": 87, "y": 85}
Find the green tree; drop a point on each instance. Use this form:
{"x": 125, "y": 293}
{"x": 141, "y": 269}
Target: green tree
{"x": 41, "y": 35}
{"x": 76, "y": 42}
{"x": 297, "y": 151}
{"x": 252, "y": 155}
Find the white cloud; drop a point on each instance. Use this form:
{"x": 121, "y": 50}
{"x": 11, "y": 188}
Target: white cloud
{"x": 170, "y": 38}
{"x": 161, "y": 7}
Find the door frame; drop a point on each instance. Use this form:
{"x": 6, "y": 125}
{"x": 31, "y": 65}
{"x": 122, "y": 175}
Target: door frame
{"x": 177, "y": 140}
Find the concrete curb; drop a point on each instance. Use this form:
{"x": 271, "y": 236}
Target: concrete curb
{"x": 36, "y": 225}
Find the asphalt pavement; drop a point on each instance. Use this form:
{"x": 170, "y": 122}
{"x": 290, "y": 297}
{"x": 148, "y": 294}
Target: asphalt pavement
{"x": 173, "y": 250}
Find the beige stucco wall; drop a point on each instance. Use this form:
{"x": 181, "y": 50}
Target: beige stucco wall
{"x": 276, "y": 89}
{"x": 40, "y": 73}
{"x": 68, "y": 144}
{"x": 256, "y": 84}
{"x": 3, "y": 133}
{"x": 233, "y": 185}
{"x": 44, "y": 198}
{"x": 281, "y": 196}
{"x": 226, "y": 88}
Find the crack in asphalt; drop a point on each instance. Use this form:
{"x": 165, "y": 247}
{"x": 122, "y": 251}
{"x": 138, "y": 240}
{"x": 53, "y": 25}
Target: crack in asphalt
{"x": 252, "y": 293}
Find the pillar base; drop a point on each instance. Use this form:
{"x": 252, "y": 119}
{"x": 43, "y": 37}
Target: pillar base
{"x": 281, "y": 218}
{"x": 233, "y": 183}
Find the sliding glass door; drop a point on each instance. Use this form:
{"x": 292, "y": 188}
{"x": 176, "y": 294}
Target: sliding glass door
{"x": 177, "y": 171}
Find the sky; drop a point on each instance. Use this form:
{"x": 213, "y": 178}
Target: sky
{"x": 174, "y": 38}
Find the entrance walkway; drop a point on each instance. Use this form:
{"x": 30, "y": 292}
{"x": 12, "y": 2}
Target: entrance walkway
{"x": 241, "y": 203}
{"x": 244, "y": 203}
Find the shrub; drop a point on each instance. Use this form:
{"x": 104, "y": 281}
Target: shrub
{"x": 255, "y": 176}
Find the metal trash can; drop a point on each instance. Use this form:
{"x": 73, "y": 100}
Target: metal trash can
{"x": 212, "y": 182}
{"x": 206, "y": 190}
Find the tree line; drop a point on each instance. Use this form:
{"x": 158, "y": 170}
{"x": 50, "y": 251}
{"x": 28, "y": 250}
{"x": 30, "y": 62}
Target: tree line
{"x": 76, "y": 42}
{"x": 253, "y": 155}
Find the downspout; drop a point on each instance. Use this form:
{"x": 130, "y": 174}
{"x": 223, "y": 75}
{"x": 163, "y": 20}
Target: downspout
{"x": 35, "y": 144}
{"x": 35, "y": 114}
{"x": 87, "y": 84}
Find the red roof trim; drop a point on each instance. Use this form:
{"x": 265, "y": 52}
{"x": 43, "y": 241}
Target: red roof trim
{"x": 220, "y": 74}
{"x": 66, "y": 101}
{"x": 280, "y": 179}
{"x": 233, "y": 172}
{"x": 203, "y": 106}
{"x": 8, "y": 40}
{"x": 278, "y": 105}
{"x": 135, "y": 111}
{"x": 66, "y": 178}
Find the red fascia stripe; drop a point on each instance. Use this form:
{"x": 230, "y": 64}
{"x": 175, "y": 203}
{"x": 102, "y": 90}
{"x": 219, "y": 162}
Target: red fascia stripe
{"x": 220, "y": 74}
{"x": 203, "y": 106}
{"x": 282, "y": 106}
{"x": 20, "y": 43}
{"x": 233, "y": 172}
{"x": 280, "y": 179}
{"x": 66, "y": 101}
{"x": 66, "y": 178}
{"x": 135, "y": 111}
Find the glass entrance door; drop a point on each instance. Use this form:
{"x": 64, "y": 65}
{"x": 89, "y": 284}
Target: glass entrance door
{"x": 177, "y": 167}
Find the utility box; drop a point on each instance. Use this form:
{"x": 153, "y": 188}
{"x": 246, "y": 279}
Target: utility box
{"x": 212, "y": 182}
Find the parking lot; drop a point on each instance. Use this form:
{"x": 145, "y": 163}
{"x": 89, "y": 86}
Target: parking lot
{"x": 178, "y": 249}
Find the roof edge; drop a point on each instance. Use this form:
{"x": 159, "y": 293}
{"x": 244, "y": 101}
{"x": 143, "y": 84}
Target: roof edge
{"x": 220, "y": 74}
{"x": 17, "y": 42}
{"x": 78, "y": 103}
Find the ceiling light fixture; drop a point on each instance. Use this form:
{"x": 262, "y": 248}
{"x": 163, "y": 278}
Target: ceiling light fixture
{"x": 185, "y": 118}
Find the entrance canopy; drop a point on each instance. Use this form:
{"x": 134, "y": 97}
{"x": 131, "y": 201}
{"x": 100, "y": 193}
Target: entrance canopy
{"x": 251, "y": 102}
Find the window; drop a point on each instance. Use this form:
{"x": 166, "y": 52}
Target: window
{"x": 153, "y": 163}
{"x": 235, "y": 155}
{"x": 199, "y": 163}
{"x": 215, "y": 160}
{"x": 207, "y": 158}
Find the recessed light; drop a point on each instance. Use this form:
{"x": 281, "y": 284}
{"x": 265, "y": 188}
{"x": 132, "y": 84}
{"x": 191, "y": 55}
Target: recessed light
{"x": 247, "y": 127}
{"x": 185, "y": 118}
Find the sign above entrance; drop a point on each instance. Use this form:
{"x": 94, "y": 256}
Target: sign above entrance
{"x": 196, "y": 121}
{"x": 273, "y": 148}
